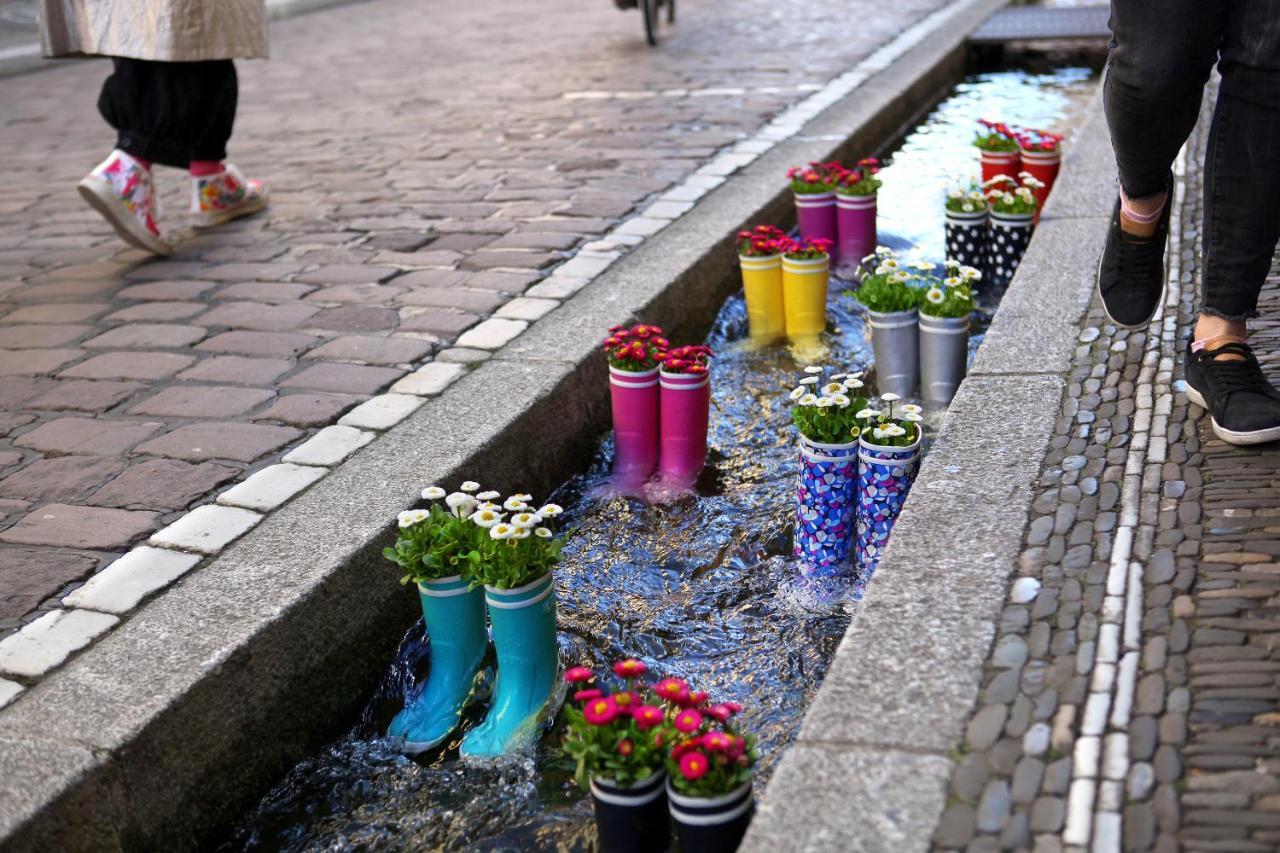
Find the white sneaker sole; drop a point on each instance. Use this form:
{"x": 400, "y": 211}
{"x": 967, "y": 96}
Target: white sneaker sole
{"x": 1258, "y": 436}
{"x": 250, "y": 207}
{"x": 97, "y": 192}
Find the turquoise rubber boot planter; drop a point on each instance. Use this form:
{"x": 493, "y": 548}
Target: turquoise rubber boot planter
{"x": 455, "y": 626}
{"x": 528, "y": 687}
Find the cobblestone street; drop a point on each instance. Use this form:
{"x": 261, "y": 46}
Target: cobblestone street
{"x": 1130, "y": 699}
{"x": 430, "y": 164}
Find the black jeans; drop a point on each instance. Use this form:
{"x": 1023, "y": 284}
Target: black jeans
{"x": 1161, "y": 56}
{"x": 171, "y": 112}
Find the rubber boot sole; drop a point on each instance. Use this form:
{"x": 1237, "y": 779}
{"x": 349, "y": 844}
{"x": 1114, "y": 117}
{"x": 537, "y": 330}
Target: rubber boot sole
{"x": 1257, "y": 436}
{"x": 99, "y": 196}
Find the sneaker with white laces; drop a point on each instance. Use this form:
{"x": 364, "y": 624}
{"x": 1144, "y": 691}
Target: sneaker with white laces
{"x": 225, "y": 196}
{"x": 1244, "y": 407}
{"x": 121, "y": 189}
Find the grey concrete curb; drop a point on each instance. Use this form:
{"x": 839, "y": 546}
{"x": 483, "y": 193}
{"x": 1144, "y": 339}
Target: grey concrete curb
{"x": 882, "y": 730}
{"x": 173, "y": 723}
{"x": 24, "y": 58}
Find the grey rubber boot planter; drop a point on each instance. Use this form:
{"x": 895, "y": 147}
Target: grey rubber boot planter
{"x": 944, "y": 356}
{"x": 895, "y": 340}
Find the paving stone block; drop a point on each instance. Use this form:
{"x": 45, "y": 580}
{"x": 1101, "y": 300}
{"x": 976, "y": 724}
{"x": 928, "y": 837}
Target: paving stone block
{"x": 34, "y": 362}
{"x": 60, "y": 478}
{"x": 85, "y": 395}
{"x": 40, "y": 337}
{"x": 527, "y": 308}
{"x": 63, "y": 525}
{"x": 57, "y": 313}
{"x": 215, "y": 401}
{"x": 235, "y": 441}
{"x": 237, "y": 369}
{"x": 492, "y": 334}
{"x": 48, "y": 641}
{"x": 343, "y": 378}
{"x": 147, "y": 336}
{"x": 29, "y": 576}
{"x": 130, "y": 365}
{"x": 162, "y": 484}
{"x": 430, "y": 379}
{"x": 382, "y": 412}
{"x": 269, "y": 488}
{"x": 257, "y": 316}
{"x": 304, "y": 409}
{"x": 120, "y": 586}
{"x": 369, "y": 350}
{"x": 277, "y": 344}
{"x": 206, "y": 529}
{"x": 9, "y": 691}
{"x": 329, "y": 446}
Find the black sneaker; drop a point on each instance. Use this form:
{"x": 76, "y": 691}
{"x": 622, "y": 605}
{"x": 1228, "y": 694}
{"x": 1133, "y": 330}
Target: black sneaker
{"x": 1244, "y": 407}
{"x": 1131, "y": 272}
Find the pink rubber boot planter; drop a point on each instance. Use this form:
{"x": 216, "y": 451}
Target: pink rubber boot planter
{"x": 816, "y": 216}
{"x": 635, "y": 428}
{"x": 686, "y": 403}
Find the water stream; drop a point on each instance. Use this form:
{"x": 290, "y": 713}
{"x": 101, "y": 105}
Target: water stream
{"x": 703, "y": 588}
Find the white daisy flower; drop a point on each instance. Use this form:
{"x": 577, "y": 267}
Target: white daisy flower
{"x": 420, "y": 515}
{"x": 838, "y": 376}
{"x": 486, "y": 517}
{"x": 889, "y": 263}
{"x": 825, "y": 402}
{"x": 869, "y": 258}
{"x": 809, "y": 380}
{"x": 489, "y": 506}
{"x": 517, "y": 503}
{"x": 798, "y": 392}
{"x": 893, "y": 430}
{"x": 914, "y": 417}
{"x": 470, "y": 486}
{"x": 852, "y": 384}
{"x": 813, "y": 368}
{"x": 542, "y": 533}
{"x": 898, "y": 277}
{"x": 970, "y": 274}
{"x": 923, "y": 266}
{"x": 868, "y": 413}
{"x": 808, "y": 399}
{"x": 433, "y": 493}
{"x": 405, "y": 519}
{"x": 935, "y": 295}
{"x": 1007, "y": 198}
{"x": 526, "y": 519}
{"x": 488, "y": 496}
{"x": 911, "y": 408}
{"x": 953, "y": 281}
{"x": 967, "y": 207}
{"x": 833, "y": 388}
{"x": 840, "y": 400}
{"x": 1024, "y": 175}
{"x": 956, "y": 194}
{"x": 977, "y": 195}
{"x": 501, "y": 531}
{"x": 550, "y": 510}
{"x": 461, "y": 505}
{"x": 521, "y": 533}
{"x": 878, "y": 432}
{"x": 890, "y": 397}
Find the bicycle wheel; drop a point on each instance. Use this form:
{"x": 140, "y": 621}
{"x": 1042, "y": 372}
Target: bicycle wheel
{"x": 671, "y": 11}
{"x": 650, "y": 9}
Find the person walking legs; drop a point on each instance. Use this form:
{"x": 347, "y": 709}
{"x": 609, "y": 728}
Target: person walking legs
{"x": 171, "y": 98}
{"x": 1161, "y": 57}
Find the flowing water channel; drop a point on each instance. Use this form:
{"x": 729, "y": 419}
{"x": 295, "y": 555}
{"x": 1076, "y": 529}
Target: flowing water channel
{"x": 703, "y": 588}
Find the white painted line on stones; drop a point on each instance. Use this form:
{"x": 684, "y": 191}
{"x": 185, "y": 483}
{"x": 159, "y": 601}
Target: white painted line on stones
{"x": 9, "y": 691}
{"x": 382, "y": 412}
{"x": 430, "y": 379}
{"x": 1133, "y": 609}
{"x": 527, "y": 308}
{"x": 207, "y": 529}
{"x": 272, "y": 486}
{"x": 120, "y": 586}
{"x": 329, "y": 446}
{"x": 1126, "y": 684}
{"x": 48, "y": 641}
{"x": 492, "y": 334}
{"x": 1079, "y": 812}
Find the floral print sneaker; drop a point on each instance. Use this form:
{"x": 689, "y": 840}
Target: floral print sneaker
{"x": 228, "y": 195}
{"x": 121, "y": 189}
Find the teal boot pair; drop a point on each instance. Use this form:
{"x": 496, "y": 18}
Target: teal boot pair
{"x": 527, "y": 688}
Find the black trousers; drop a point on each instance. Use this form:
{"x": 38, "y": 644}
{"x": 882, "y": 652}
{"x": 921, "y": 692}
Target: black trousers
{"x": 1161, "y": 57}
{"x": 171, "y": 112}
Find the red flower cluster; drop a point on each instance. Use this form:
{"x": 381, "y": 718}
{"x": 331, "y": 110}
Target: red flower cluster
{"x": 690, "y": 359}
{"x": 1032, "y": 139}
{"x": 760, "y": 241}
{"x": 825, "y": 177}
{"x": 639, "y": 348}
{"x": 1007, "y": 137}
{"x": 810, "y": 249}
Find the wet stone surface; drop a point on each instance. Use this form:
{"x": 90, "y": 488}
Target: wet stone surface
{"x": 1155, "y": 546}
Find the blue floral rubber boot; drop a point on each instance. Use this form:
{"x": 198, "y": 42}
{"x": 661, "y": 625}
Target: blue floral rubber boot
{"x": 824, "y": 527}
{"x": 455, "y": 620}
{"x": 885, "y": 475}
{"x": 528, "y": 688}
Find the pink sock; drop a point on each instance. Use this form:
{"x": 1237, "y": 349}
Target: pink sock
{"x": 200, "y": 168}
{"x": 1140, "y": 218}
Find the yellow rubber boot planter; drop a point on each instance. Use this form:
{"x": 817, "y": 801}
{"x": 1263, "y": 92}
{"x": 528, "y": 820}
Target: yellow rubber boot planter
{"x": 804, "y": 293}
{"x": 762, "y": 285}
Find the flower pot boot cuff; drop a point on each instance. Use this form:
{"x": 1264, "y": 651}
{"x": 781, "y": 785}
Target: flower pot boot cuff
{"x": 1228, "y": 382}
{"x": 224, "y": 196}
{"x": 121, "y": 189}
{"x": 528, "y": 688}
{"x": 1131, "y": 273}
{"x": 455, "y": 619}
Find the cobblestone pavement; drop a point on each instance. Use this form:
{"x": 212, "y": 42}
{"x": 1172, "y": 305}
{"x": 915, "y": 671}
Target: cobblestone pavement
{"x": 430, "y": 163}
{"x": 1131, "y": 698}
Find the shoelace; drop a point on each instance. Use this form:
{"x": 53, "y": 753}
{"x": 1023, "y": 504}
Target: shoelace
{"x": 1137, "y": 255}
{"x": 1226, "y": 376}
